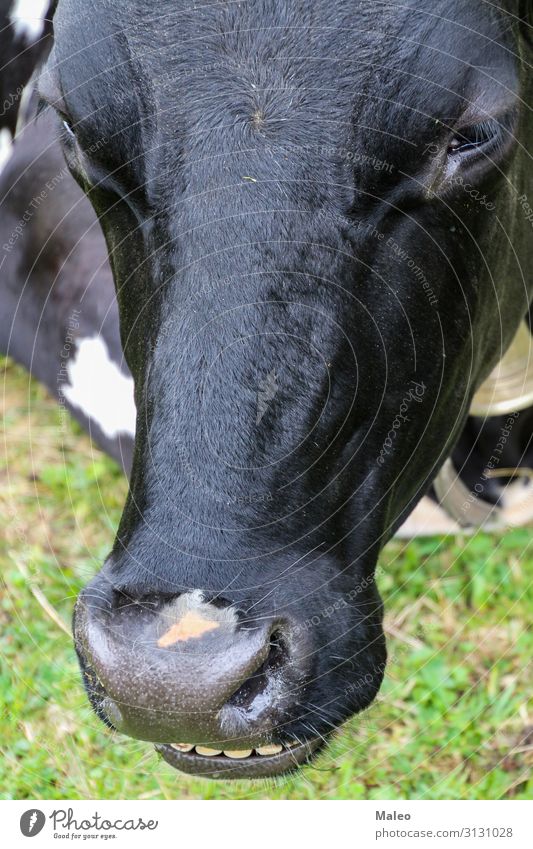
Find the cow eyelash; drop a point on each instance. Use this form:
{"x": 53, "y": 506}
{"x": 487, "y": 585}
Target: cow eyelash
{"x": 493, "y": 135}
{"x": 68, "y": 127}
{"x": 43, "y": 104}
{"x": 474, "y": 137}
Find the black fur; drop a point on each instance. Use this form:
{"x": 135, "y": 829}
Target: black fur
{"x": 258, "y": 169}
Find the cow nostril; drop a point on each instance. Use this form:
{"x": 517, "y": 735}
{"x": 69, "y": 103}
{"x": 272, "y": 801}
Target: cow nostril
{"x": 149, "y": 601}
{"x": 265, "y": 675}
{"x": 157, "y": 601}
{"x": 278, "y": 653}
{"x": 202, "y": 670}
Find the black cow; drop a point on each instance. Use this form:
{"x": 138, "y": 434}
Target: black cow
{"x": 317, "y": 222}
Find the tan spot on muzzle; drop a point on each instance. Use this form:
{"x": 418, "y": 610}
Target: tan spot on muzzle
{"x": 190, "y": 627}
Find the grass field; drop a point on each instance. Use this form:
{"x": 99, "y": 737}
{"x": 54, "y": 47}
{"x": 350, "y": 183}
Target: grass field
{"x": 452, "y": 721}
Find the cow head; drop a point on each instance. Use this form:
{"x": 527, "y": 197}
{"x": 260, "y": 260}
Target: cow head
{"x": 314, "y": 222}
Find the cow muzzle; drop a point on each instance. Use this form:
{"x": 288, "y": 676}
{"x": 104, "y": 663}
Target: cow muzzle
{"x": 208, "y": 684}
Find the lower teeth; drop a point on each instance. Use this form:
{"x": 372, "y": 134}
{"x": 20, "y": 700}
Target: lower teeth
{"x": 183, "y": 747}
{"x": 233, "y": 754}
{"x": 273, "y": 749}
{"x": 237, "y": 754}
{"x": 208, "y": 753}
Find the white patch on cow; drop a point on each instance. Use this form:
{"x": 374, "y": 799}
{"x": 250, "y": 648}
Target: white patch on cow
{"x": 100, "y": 389}
{"x": 27, "y": 18}
{"x": 6, "y": 147}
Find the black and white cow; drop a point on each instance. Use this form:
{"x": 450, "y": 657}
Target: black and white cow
{"x": 57, "y": 292}
{"x": 25, "y": 28}
{"x": 57, "y": 295}
{"x": 317, "y": 221}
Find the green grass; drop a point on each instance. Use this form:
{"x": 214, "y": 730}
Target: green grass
{"x": 452, "y": 720}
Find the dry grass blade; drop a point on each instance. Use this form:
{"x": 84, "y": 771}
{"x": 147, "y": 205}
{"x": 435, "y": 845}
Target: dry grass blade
{"x": 40, "y": 597}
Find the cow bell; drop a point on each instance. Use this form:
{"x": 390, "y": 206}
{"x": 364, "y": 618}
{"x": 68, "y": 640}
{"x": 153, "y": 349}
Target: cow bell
{"x": 509, "y": 387}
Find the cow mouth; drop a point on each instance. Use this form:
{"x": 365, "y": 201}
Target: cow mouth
{"x": 269, "y": 759}
{"x": 262, "y": 762}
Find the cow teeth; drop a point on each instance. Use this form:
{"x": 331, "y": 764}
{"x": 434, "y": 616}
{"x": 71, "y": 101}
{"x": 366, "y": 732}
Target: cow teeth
{"x": 183, "y": 747}
{"x": 237, "y": 754}
{"x": 272, "y": 749}
{"x": 209, "y": 753}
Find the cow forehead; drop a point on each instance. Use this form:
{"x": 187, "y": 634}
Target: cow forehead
{"x": 212, "y": 83}
{"x": 185, "y": 49}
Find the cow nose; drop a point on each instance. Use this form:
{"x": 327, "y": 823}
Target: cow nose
{"x": 184, "y": 669}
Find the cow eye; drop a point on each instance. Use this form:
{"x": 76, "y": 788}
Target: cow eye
{"x": 66, "y": 123}
{"x": 472, "y": 138}
{"x": 67, "y": 126}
